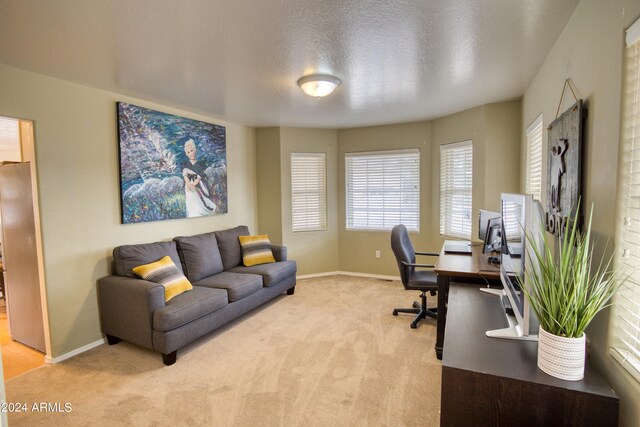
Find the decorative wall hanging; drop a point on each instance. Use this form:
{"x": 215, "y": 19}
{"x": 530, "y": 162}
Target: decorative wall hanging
{"x": 564, "y": 163}
{"x": 170, "y": 167}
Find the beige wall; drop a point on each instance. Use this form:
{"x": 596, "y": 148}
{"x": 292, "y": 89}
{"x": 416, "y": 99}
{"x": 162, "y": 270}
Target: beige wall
{"x": 590, "y": 52}
{"x": 463, "y": 126}
{"x": 10, "y": 155}
{"x": 268, "y": 172}
{"x": 358, "y": 248}
{"x": 314, "y": 251}
{"x": 10, "y": 140}
{"x": 494, "y": 130}
{"x": 77, "y": 160}
{"x": 502, "y": 149}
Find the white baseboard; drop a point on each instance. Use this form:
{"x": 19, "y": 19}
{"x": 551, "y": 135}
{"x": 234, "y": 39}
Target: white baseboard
{"x": 53, "y": 360}
{"x": 311, "y": 276}
{"x": 373, "y": 276}
{"x": 349, "y": 273}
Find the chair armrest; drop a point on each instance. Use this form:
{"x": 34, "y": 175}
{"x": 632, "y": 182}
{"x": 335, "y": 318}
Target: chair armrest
{"x": 407, "y": 264}
{"x": 126, "y": 307}
{"x": 428, "y": 253}
{"x": 279, "y": 252}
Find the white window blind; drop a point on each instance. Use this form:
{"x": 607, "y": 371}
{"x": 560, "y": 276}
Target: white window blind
{"x": 511, "y": 219}
{"x": 383, "y": 190}
{"x": 308, "y": 191}
{"x": 533, "y": 164}
{"x": 626, "y": 347}
{"x": 456, "y": 183}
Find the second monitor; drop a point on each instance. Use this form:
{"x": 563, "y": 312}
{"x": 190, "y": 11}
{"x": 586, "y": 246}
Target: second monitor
{"x": 492, "y": 239}
{"x": 483, "y": 220}
{"x": 489, "y": 230}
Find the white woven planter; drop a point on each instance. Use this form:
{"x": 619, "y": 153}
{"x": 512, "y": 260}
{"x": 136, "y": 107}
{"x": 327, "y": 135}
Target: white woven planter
{"x": 561, "y": 357}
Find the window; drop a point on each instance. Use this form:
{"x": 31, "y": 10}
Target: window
{"x": 626, "y": 348}
{"x": 533, "y": 162}
{"x": 383, "y": 190}
{"x": 456, "y": 180}
{"x": 308, "y": 191}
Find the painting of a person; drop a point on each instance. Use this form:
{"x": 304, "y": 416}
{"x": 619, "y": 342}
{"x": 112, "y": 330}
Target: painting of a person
{"x": 196, "y": 188}
{"x": 558, "y": 168}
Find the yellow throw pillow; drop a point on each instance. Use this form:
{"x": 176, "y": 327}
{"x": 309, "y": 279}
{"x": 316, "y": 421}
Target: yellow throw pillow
{"x": 165, "y": 273}
{"x": 256, "y": 250}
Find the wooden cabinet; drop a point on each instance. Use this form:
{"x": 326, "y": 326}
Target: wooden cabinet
{"x": 496, "y": 382}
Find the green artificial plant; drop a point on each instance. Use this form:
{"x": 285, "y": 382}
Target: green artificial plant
{"x": 564, "y": 292}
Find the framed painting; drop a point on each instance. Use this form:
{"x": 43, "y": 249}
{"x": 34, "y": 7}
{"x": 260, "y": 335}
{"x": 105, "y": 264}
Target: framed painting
{"x": 170, "y": 167}
{"x": 564, "y": 160}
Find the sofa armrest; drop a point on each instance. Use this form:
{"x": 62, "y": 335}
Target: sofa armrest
{"x": 279, "y": 252}
{"x": 126, "y": 308}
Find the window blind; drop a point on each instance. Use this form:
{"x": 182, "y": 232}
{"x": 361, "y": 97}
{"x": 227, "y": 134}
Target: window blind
{"x": 383, "y": 190}
{"x": 511, "y": 219}
{"x": 533, "y": 164}
{"x": 626, "y": 347}
{"x": 456, "y": 184}
{"x": 308, "y": 192}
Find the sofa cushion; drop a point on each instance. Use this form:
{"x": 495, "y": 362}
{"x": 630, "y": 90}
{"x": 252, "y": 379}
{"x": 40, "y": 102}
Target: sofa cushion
{"x": 271, "y": 273}
{"x": 126, "y": 257}
{"x": 188, "y": 307}
{"x": 256, "y": 250}
{"x": 164, "y": 272}
{"x": 229, "y": 245}
{"x": 199, "y": 255}
{"x": 236, "y": 285}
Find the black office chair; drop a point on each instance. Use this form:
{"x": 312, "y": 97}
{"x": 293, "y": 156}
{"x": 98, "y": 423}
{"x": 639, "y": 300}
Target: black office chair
{"x": 412, "y": 279}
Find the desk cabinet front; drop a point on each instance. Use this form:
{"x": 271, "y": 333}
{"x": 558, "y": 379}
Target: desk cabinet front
{"x": 496, "y": 382}
{"x": 478, "y": 399}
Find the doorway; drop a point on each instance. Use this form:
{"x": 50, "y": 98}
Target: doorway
{"x": 23, "y": 332}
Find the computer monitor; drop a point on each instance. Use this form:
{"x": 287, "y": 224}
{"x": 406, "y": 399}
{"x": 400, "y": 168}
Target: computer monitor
{"x": 522, "y": 219}
{"x": 483, "y": 221}
{"x": 492, "y": 237}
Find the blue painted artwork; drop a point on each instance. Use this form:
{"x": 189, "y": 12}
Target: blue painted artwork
{"x": 170, "y": 167}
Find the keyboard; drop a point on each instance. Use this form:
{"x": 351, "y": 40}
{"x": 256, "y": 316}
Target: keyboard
{"x": 457, "y": 247}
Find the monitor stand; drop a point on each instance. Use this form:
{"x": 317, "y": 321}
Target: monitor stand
{"x": 514, "y": 330}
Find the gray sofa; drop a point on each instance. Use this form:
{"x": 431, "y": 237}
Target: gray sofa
{"x": 134, "y": 310}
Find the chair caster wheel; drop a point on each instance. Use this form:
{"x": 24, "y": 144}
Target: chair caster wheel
{"x": 413, "y": 326}
{"x": 395, "y": 313}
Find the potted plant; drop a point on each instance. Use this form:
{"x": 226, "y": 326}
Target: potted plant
{"x": 566, "y": 293}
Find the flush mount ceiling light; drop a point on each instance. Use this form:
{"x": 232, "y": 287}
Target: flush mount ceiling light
{"x": 318, "y": 85}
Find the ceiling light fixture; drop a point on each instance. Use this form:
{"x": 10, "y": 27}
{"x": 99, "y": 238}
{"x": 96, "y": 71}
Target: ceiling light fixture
{"x": 318, "y": 85}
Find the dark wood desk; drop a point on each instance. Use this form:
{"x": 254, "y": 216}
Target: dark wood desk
{"x": 465, "y": 268}
{"x": 496, "y": 382}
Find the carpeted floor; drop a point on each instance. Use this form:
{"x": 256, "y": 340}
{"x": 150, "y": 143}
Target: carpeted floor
{"x": 330, "y": 355}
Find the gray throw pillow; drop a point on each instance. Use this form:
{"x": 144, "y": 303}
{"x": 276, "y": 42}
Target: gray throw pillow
{"x": 127, "y": 257}
{"x": 199, "y": 255}
{"x": 229, "y": 245}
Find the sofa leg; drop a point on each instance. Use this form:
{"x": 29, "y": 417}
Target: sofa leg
{"x": 290, "y": 291}
{"x": 169, "y": 358}
{"x": 111, "y": 340}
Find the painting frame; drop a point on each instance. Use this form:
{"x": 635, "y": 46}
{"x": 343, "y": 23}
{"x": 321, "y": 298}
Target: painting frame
{"x": 171, "y": 167}
{"x": 564, "y": 173}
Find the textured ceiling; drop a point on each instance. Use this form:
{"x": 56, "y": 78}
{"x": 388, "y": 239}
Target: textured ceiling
{"x": 399, "y": 60}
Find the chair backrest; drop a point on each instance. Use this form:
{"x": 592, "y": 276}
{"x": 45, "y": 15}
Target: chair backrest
{"x": 403, "y": 250}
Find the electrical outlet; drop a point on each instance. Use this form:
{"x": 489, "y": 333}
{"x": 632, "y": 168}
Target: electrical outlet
{"x": 377, "y": 254}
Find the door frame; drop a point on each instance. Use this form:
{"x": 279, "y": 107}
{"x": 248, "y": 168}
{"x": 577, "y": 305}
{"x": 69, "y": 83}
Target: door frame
{"x": 28, "y": 154}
